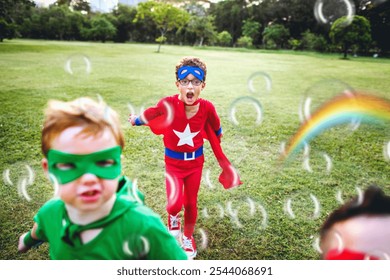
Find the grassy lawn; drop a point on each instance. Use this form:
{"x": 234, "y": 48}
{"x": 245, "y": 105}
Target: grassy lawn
{"x": 249, "y": 222}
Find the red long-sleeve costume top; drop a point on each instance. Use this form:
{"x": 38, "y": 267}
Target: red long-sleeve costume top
{"x": 182, "y": 134}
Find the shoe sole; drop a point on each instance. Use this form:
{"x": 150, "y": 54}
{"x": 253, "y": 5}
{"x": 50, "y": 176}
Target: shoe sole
{"x": 175, "y": 233}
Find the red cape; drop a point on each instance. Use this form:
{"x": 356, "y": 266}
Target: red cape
{"x": 347, "y": 254}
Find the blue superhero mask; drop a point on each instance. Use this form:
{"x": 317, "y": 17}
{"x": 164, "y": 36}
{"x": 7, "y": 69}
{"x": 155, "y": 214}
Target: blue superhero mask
{"x": 184, "y": 71}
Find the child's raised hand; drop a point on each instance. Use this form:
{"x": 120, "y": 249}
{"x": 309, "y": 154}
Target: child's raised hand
{"x": 22, "y": 248}
{"x": 132, "y": 119}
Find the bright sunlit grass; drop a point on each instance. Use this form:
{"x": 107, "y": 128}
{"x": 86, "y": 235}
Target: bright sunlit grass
{"x": 248, "y": 222}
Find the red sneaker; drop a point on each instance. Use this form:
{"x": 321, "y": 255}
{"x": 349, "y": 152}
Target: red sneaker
{"x": 174, "y": 225}
{"x": 189, "y": 246}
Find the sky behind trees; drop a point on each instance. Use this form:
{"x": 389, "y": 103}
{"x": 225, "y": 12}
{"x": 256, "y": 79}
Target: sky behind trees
{"x": 103, "y": 6}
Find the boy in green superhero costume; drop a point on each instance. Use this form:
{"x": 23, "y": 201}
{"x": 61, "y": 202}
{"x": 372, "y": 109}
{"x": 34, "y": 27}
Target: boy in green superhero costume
{"x": 98, "y": 213}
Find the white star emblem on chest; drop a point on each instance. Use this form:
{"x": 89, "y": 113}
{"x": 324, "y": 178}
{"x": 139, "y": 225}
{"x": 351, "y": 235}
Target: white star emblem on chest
{"x": 186, "y": 137}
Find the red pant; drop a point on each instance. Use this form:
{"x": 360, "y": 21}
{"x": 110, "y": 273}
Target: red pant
{"x": 182, "y": 186}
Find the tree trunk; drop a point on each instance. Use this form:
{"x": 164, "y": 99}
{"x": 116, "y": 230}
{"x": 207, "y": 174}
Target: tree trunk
{"x": 201, "y": 41}
{"x": 162, "y": 31}
{"x": 345, "y": 51}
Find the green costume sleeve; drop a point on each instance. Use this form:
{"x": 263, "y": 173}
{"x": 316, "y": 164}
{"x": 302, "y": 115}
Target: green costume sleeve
{"x": 29, "y": 241}
{"x": 47, "y": 214}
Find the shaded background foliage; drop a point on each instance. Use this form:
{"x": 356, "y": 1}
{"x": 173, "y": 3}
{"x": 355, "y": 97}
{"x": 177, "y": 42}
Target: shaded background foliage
{"x": 287, "y": 24}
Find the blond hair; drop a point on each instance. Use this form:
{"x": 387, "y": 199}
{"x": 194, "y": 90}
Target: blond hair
{"x": 191, "y": 61}
{"x": 93, "y": 116}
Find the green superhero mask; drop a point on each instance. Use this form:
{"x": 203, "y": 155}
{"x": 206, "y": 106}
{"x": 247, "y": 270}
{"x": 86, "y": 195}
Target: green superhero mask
{"x": 66, "y": 167}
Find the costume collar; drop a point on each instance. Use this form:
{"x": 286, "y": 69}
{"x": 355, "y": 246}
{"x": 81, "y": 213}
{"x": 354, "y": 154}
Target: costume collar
{"x": 193, "y": 104}
{"x": 71, "y": 232}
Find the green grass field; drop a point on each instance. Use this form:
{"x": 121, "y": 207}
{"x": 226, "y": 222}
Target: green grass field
{"x": 248, "y": 222}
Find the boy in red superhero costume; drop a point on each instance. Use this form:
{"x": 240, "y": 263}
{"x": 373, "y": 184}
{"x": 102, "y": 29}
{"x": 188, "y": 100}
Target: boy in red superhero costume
{"x": 184, "y": 120}
{"x": 359, "y": 229}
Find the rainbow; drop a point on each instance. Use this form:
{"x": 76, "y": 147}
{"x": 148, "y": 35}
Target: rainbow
{"x": 339, "y": 110}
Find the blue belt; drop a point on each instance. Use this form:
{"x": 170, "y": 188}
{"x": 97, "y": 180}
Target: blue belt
{"x": 183, "y": 155}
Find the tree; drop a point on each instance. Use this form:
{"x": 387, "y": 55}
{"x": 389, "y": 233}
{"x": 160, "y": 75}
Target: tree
{"x": 7, "y": 30}
{"x": 229, "y": 15}
{"x": 165, "y": 16}
{"x": 224, "y": 38}
{"x": 32, "y": 26}
{"x": 101, "y": 29}
{"x": 313, "y": 42}
{"x": 355, "y": 34}
{"x": 8, "y": 8}
{"x": 58, "y": 24}
{"x": 245, "y": 42}
{"x": 276, "y": 34}
{"x": 63, "y": 2}
{"x": 251, "y": 29}
{"x": 77, "y": 21}
{"x": 379, "y": 17}
{"x": 124, "y": 23}
{"x": 296, "y": 15}
{"x": 76, "y": 5}
{"x": 203, "y": 27}
{"x": 81, "y": 6}
{"x": 12, "y": 12}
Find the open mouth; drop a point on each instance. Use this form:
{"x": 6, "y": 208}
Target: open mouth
{"x": 190, "y": 96}
{"x": 90, "y": 195}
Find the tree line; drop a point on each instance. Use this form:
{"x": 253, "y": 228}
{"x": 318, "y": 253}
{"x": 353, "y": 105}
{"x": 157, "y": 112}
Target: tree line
{"x": 356, "y": 26}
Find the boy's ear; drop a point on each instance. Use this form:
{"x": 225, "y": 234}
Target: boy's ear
{"x": 203, "y": 85}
